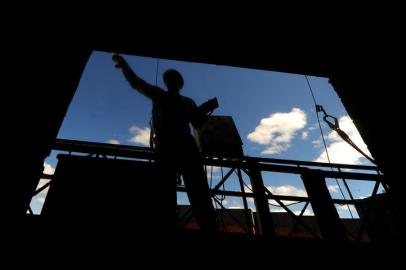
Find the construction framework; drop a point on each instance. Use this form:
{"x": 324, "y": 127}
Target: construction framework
{"x": 313, "y": 175}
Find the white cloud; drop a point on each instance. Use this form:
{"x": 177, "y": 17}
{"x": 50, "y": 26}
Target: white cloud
{"x": 333, "y": 188}
{"x": 39, "y": 200}
{"x": 113, "y": 141}
{"x": 140, "y": 135}
{"x": 287, "y": 190}
{"x": 236, "y": 206}
{"x": 305, "y": 135}
{"x": 313, "y": 127}
{"x": 318, "y": 143}
{"x": 277, "y": 131}
{"x": 277, "y": 210}
{"x": 340, "y": 151}
{"x": 48, "y": 169}
{"x": 307, "y": 212}
{"x": 276, "y": 149}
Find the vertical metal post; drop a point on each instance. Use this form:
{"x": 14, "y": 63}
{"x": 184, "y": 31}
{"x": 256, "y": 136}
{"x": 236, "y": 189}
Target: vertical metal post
{"x": 260, "y": 198}
{"x": 326, "y": 214}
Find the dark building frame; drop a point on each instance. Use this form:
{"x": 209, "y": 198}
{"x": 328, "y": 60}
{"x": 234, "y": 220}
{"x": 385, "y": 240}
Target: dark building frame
{"x": 363, "y": 84}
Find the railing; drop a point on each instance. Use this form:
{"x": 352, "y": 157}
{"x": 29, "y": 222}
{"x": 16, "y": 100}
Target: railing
{"x": 253, "y": 169}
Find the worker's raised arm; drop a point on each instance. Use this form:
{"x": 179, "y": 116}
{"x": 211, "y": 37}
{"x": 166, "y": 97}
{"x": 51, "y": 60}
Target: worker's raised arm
{"x": 136, "y": 82}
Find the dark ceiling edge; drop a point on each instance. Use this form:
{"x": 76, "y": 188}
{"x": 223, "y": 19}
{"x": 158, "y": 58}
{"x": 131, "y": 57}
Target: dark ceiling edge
{"x": 302, "y": 64}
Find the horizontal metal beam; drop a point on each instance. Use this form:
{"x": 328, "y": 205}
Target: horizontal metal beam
{"x": 265, "y": 164}
{"x": 104, "y": 148}
{"x": 46, "y": 176}
{"x": 314, "y": 164}
{"x": 84, "y": 146}
{"x": 326, "y": 174}
{"x": 270, "y": 197}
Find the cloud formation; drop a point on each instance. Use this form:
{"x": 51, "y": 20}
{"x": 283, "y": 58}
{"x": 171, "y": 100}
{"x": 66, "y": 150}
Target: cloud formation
{"x": 113, "y": 141}
{"x": 339, "y": 150}
{"x": 277, "y": 131}
{"x": 140, "y": 135}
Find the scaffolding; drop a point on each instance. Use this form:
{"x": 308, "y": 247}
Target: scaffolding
{"x": 258, "y": 220}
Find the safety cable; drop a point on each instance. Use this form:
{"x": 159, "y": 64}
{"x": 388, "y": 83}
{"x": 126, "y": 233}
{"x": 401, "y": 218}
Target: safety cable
{"x": 324, "y": 141}
{"x": 156, "y": 72}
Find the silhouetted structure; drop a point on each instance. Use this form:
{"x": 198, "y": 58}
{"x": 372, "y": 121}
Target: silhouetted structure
{"x": 109, "y": 191}
{"x": 366, "y": 83}
{"x": 176, "y": 147}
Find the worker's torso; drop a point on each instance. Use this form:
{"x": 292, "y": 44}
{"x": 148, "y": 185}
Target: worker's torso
{"x": 171, "y": 115}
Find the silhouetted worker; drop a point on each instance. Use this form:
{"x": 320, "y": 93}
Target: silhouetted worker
{"x": 175, "y": 145}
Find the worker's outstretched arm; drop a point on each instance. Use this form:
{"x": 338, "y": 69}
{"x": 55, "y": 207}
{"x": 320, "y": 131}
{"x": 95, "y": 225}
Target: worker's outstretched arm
{"x": 136, "y": 82}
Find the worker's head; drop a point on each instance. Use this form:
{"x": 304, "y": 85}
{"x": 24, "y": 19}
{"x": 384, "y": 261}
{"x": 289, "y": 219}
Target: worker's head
{"x": 173, "y": 80}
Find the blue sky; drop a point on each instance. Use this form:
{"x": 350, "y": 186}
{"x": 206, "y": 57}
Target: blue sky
{"x": 106, "y": 109}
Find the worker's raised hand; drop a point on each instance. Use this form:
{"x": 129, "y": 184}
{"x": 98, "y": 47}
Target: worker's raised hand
{"x": 119, "y": 60}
